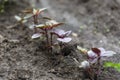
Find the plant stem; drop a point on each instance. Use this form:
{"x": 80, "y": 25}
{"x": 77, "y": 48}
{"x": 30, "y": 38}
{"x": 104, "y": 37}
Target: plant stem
{"x": 61, "y": 46}
{"x": 47, "y": 37}
{"x": 35, "y": 17}
{"x": 51, "y": 41}
{"x": 98, "y": 70}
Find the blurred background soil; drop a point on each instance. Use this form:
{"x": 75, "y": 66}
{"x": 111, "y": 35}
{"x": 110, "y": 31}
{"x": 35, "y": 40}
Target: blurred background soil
{"x": 97, "y": 23}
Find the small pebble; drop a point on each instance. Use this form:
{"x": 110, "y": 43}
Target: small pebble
{"x": 74, "y": 34}
{"x": 1, "y": 38}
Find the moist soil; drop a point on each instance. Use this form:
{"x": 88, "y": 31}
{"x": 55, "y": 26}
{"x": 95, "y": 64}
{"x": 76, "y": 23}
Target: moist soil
{"x": 95, "y": 21}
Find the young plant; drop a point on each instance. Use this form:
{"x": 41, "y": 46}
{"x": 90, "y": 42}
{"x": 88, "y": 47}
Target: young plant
{"x": 48, "y": 30}
{"x": 94, "y": 58}
{"x": 29, "y": 13}
{"x": 62, "y": 38}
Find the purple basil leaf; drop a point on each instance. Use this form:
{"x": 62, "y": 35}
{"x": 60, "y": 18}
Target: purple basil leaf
{"x": 96, "y": 50}
{"x": 65, "y": 40}
{"x": 67, "y": 33}
{"x": 61, "y": 32}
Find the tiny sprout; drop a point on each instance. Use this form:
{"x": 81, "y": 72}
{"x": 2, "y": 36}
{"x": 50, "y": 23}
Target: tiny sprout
{"x": 92, "y": 66}
{"x": 95, "y": 55}
{"x": 48, "y": 32}
{"x": 99, "y": 53}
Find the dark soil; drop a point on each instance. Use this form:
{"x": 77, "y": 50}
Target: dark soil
{"x": 95, "y": 21}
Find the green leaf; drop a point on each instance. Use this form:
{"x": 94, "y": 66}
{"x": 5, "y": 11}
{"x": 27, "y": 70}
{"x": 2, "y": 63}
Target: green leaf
{"x": 109, "y": 64}
{"x": 113, "y": 65}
